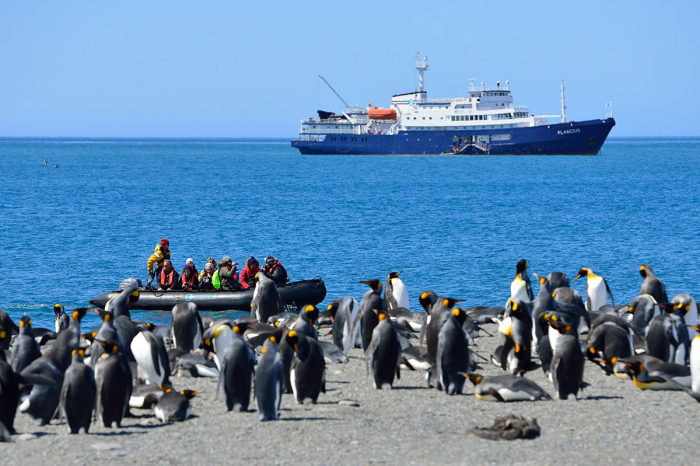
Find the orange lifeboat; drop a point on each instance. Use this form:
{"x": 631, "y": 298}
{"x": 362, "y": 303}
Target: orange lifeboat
{"x": 382, "y": 113}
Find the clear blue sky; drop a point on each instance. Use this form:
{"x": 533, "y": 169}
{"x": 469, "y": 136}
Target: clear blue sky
{"x": 249, "y": 69}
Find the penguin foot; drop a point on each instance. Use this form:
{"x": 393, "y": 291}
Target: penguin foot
{"x": 386, "y": 386}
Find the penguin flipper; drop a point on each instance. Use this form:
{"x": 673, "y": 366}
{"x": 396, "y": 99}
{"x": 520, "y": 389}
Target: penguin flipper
{"x": 371, "y": 349}
{"x": 609, "y": 292}
{"x": 682, "y": 387}
{"x": 494, "y": 393}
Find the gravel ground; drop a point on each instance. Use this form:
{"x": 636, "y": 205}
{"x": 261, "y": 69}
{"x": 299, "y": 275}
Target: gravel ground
{"x": 613, "y": 422}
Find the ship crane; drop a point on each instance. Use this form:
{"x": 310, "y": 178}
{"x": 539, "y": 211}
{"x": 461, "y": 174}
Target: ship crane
{"x": 334, "y": 91}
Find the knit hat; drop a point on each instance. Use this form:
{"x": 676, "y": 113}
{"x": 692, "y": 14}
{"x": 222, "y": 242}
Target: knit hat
{"x": 251, "y": 261}
{"x": 189, "y": 261}
{"x": 226, "y": 259}
{"x": 188, "y": 267}
{"x": 165, "y": 241}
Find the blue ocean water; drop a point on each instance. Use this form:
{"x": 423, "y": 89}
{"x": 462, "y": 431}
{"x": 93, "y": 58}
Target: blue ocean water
{"x": 453, "y": 224}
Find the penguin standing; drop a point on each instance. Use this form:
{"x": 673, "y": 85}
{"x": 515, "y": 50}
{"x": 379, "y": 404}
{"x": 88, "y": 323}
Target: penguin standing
{"x": 520, "y": 287}
{"x": 106, "y": 332}
{"x": 372, "y": 300}
{"x": 62, "y": 319}
{"x": 219, "y": 335}
{"x": 652, "y": 285}
{"x": 343, "y": 312}
{"x": 518, "y": 328}
{"x": 308, "y": 369}
{"x": 266, "y": 299}
{"x": 507, "y": 388}
{"x": 269, "y": 381}
{"x": 453, "y": 357}
{"x": 395, "y": 294}
{"x": 25, "y": 349}
{"x": 174, "y": 406}
{"x": 439, "y": 313}
{"x": 643, "y": 309}
{"x": 113, "y": 384}
{"x": 695, "y": 363}
{"x": 597, "y": 290}
{"x": 237, "y": 367}
{"x": 9, "y": 390}
{"x": 383, "y": 354}
{"x": 78, "y": 394}
{"x": 558, "y": 280}
{"x": 186, "y": 326}
{"x": 662, "y": 338}
{"x": 567, "y": 367}
{"x": 685, "y": 305}
{"x": 151, "y": 357}
{"x": 44, "y": 397}
{"x": 427, "y": 300}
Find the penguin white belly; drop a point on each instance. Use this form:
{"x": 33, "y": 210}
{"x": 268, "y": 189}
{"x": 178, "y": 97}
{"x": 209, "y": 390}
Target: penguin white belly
{"x": 691, "y": 318}
{"x": 136, "y": 401}
{"x": 293, "y": 380}
{"x": 510, "y": 395}
{"x": 159, "y": 414}
{"x": 553, "y": 337}
{"x": 418, "y": 364}
{"x": 400, "y": 293}
{"x": 597, "y": 293}
{"x": 695, "y": 364}
{"x": 141, "y": 350}
{"x": 221, "y": 342}
{"x": 505, "y": 325}
{"x": 518, "y": 290}
{"x": 686, "y": 381}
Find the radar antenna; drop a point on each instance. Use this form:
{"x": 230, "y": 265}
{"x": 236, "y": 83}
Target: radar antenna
{"x": 421, "y": 67}
{"x": 563, "y": 103}
{"x": 328, "y": 84}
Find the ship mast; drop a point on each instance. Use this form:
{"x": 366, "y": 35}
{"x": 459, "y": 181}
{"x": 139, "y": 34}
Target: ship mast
{"x": 563, "y": 104}
{"x": 421, "y": 67}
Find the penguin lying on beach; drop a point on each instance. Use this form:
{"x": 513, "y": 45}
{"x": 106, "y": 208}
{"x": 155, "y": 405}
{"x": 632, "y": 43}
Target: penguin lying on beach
{"x": 506, "y": 387}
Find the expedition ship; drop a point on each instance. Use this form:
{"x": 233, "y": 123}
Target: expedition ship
{"x": 485, "y": 123}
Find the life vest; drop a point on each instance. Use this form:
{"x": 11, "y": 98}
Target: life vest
{"x": 215, "y": 280}
{"x": 272, "y": 269}
{"x": 185, "y": 281}
{"x": 170, "y": 277}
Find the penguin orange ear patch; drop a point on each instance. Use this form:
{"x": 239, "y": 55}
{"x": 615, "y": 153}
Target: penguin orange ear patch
{"x": 273, "y": 340}
{"x": 309, "y": 308}
{"x": 424, "y": 295}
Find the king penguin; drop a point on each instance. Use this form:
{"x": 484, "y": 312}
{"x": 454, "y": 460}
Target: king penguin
{"x": 119, "y": 304}
{"x": 62, "y": 319}
{"x": 9, "y": 390}
{"x": 307, "y": 374}
{"x": 453, "y": 357}
{"x": 520, "y": 287}
{"x": 517, "y": 327}
{"x": 685, "y": 305}
{"x": 113, "y": 383}
{"x": 10, "y": 329}
{"x": 25, "y": 349}
{"x": 78, "y": 394}
{"x": 439, "y": 313}
{"x": 567, "y": 367}
{"x": 652, "y": 285}
{"x": 597, "y": 290}
{"x": 395, "y": 294}
{"x": 236, "y": 374}
{"x": 266, "y": 300}
{"x": 151, "y": 357}
{"x": 219, "y": 335}
{"x": 643, "y": 309}
{"x": 269, "y": 381}
{"x": 371, "y": 301}
{"x": 343, "y": 312}
{"x": 383, "y": 354}
{"x": 186, "y": 326}
{"x": 507, "y": 388}
{"x": 174, "y": 406}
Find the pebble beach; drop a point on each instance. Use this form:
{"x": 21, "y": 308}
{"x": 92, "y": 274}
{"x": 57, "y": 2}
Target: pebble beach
{"x": 613, "y": 422}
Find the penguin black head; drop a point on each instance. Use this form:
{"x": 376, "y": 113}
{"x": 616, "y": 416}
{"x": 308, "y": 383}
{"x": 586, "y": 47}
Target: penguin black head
{"x": 559, "y": 321}
{"x": 682, "y": 302}
{"x": 151, "y": 327}
{"x": 25, "y": 321}
{"x": 474, "y": 378}
{"x": 636, "y": 366}
{"x": 79, "y": 313}
{"x": 644, "y": 270}
{"x": 333, "y": 308}
{"x": 133, "y": 297}
{"x": 104, "y": 315}
{"x": 514, "y": 306}
{"x": 450, "y": 302}
{"x": 381, "y": 314}
{"x": 541, "y": 280}
{"x": 293, "y": 340}
{"x": 394, "y": 275}
{"x": 110, "y": 346}
{"x": 189, "y": 394}
{"x": 80, "y": 352}
{"x": 459, "y": 314}
{"x": 427, "y": 298}
{"x": 375, "y": 284}
{"x": 58, "y": 309}
{"x": 207, "y": 345}
{"x": 582, "y": 273}
{"x": 521, "y": 267}
{"x": 311, "y": 312}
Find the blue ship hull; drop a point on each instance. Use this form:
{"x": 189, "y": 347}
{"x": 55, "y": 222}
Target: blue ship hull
{"x": 570, "y": 138}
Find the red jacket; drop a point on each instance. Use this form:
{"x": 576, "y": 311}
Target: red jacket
{"x": 247, "y": 278}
